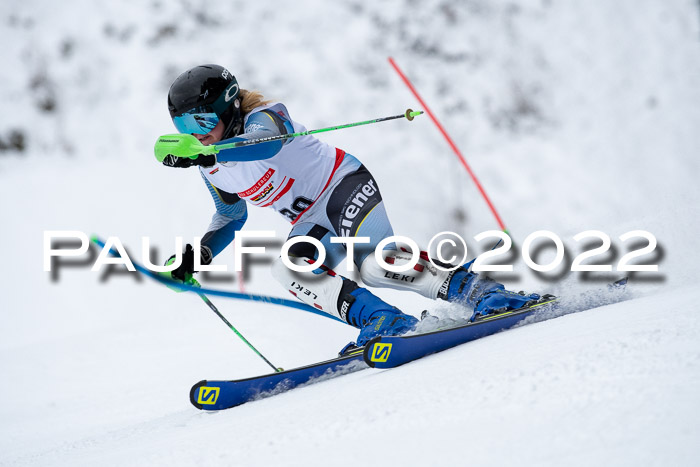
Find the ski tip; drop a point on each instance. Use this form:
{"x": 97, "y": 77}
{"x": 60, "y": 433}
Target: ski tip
{"x": 194, "y": 394}
{"x": 368, "y": 351}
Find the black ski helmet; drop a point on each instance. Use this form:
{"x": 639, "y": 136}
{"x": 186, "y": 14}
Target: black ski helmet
{"x": 208, "y": 88}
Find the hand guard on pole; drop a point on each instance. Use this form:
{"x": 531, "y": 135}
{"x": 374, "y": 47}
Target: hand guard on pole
{"x": 205, "y": 160}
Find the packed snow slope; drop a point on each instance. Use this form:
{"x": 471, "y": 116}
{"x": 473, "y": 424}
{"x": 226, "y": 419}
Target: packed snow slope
{"x": 575, "y": 116}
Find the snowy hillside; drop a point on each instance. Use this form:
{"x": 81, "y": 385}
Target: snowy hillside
{"x": 575, "y": 116}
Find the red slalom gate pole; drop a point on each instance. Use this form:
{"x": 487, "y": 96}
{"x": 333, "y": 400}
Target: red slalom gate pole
{"x": 450, "y": 142}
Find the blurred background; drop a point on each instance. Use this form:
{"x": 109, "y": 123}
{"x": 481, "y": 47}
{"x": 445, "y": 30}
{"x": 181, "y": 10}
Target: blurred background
{"x": 574, "y": 115}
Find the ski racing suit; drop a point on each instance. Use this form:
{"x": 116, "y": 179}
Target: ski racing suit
{"x": 324, "y": 192}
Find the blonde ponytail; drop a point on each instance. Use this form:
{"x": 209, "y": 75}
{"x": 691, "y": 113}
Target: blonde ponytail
{"x": 251, "y": 100}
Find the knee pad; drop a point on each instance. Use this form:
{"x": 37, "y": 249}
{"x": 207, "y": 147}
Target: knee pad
{"x": 424, "y": 278}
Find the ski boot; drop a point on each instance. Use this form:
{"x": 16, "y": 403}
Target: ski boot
{"x": 374, "y": 317}
{"x": 484, "y": 295}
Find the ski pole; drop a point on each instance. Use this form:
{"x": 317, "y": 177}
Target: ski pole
{"x": 183, "y": 145}
{"x": 184, "y": 287}
{"x": 193, "y": 284}
{"x": 218, "y": 313}
{"x": 409, "y": 115}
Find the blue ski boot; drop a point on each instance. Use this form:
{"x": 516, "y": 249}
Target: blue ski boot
{"x": 484, "y": 295}
{"x": 371, "y": 314}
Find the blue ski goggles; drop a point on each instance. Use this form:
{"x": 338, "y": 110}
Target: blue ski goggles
{"x": 199, "y": 123}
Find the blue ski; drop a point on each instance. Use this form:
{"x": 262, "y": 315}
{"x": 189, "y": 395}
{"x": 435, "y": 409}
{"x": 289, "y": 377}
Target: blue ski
{"x": 218, "y": 395}
{"x": 381, "y": 352}
{"x": 392, "y": 351}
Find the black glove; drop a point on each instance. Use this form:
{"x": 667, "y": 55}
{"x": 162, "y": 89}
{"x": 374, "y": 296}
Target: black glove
{"x": 185, "y": 270}
{"x": 205, "y": 160}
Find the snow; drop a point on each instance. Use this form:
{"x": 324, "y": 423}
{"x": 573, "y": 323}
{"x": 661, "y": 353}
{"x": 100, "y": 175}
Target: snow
{"x": 575, "y": 116}
{"x": 616, "y": 384}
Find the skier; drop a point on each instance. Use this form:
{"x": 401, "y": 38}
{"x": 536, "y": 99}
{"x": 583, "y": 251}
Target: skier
{"x": 323, "y": 191}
